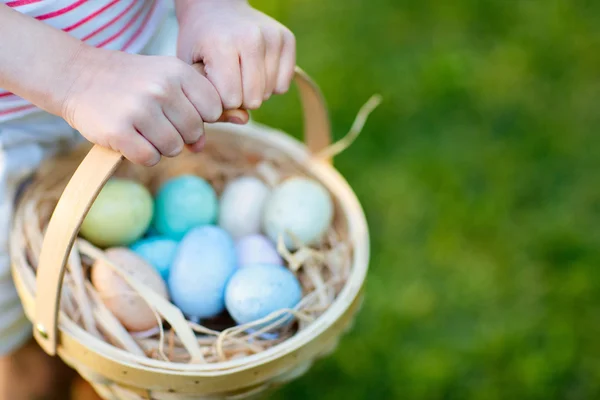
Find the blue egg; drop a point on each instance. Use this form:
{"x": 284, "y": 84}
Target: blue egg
{"x": 184, "y": 203}
{"x": 204, "y": 262}
{"x": 157, "y": 251}
{"x": 258, "y": 290}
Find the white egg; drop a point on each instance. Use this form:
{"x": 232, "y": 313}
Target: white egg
{"x": 301, "y": 206}
{"x": 241, "y": 207}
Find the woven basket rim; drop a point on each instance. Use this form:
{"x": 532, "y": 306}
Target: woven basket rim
{"x": 358, "y": 233}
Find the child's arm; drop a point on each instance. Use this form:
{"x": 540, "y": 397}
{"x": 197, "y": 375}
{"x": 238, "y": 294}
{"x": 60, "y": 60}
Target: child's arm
{"x": 36, "y": 60}
{"x": 248, "y": 56}
{"x": 141, "y": 106}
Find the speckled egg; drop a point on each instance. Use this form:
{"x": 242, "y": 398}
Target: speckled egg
{"x": 127, "y": 306}
{"x": 256, "y": 249}
{"x": 184, "y": 203}
{"x": 120, "y": 215}
{"x": 241, "y": 206}
{"x": 204, "y": 262}
{"x": 256, "y": 291}
{"x": 158, "y": 251}
{"x": 301, "y": 206}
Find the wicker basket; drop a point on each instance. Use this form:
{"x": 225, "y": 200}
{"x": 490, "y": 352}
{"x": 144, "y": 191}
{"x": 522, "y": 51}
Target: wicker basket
{"x": 118, "y": 374}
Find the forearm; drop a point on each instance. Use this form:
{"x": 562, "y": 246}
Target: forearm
{"x": 36, "y": 60}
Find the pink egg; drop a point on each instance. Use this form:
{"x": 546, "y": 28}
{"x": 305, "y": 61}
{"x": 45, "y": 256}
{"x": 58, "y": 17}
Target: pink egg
{"x": 125, "y": 303}
{"x": 257, "y": 249}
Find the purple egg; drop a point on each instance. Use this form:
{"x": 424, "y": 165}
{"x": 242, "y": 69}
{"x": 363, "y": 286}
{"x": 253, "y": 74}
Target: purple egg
{"x": 257, "y": 249}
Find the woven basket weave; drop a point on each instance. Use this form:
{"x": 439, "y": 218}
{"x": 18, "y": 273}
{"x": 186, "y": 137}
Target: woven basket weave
{"x": 115, "y": 373}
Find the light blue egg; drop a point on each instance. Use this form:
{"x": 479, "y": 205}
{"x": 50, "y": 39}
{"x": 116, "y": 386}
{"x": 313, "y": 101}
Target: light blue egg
{"x": 184, "y": 203}
{"x": 204, "y": 262}
{"x": 158, "y": 251}
{"x": 258, "y": 290}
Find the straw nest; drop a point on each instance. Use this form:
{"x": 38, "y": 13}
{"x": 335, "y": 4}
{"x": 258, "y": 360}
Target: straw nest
{"x": 322, "y": 269}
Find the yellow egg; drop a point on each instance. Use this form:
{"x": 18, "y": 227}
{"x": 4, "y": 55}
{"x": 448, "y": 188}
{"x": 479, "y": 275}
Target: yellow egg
{"x": 120, "y": 215}
{"x": 129, "y": 307}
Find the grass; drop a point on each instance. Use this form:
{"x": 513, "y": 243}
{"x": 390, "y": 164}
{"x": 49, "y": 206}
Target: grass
{"x": 480, "y": 178}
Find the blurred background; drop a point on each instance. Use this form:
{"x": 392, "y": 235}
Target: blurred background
{"x": 480, "y": 178}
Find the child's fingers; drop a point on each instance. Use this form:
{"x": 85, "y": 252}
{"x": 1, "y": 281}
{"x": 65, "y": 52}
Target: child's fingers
{"x": 185, "y": 118}
{"x": 274, "y": 44}
{"x": 235, "y": 116}
{"x": 198, "y": 146}
{"x": 159, "y": 131}
{"x": 202, "y": 95}
{"x": 135, "y": 148}
{"x": 252, "y": 59}
{"x": 239, "y": 117}
{"x": 223, "y": 70}
{"x": 287, "y": 63}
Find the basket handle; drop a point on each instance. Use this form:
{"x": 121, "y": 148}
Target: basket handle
{"x": 83, "y": 188}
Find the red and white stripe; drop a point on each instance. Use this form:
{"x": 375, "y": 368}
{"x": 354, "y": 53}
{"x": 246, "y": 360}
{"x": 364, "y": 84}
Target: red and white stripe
{"x": 125, "y": 25}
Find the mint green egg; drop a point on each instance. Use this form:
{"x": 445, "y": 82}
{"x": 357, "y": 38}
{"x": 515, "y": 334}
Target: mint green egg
{"x": 120, "y": 215}
{"x": 182, "y": 204}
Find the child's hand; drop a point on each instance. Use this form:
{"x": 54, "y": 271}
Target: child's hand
{"x": 247, "y": 55}
{"x": 141, "y": 106}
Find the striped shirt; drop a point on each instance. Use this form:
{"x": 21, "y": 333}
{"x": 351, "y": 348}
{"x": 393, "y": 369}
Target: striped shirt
{"x": 125, "y": 25}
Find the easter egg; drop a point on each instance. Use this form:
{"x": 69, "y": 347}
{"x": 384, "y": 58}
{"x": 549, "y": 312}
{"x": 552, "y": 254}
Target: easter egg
{"x": 183, "y": 203}
{"x": 126, "y": 305}
{"x": 157, "y": 251}
{"x": 120, "y": 215}
{"x": 257, "y": 290}
{"x": 256, "y": 249}
{"x": 241, "y": 206}
{"x": 204, "y": 262}
{"x": 301, "y": 206}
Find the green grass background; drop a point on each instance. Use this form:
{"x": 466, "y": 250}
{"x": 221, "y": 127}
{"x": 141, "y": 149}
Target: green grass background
{"x": 480, "y": 178}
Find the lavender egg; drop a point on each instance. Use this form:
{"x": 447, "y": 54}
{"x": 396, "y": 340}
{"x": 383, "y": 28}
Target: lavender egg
{"x": 256, "y": 249}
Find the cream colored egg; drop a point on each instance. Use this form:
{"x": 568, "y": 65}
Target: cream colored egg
{"x": 300, "y": 206}
{"x": 241, "y": 208}
{"x": 129, "y": 307}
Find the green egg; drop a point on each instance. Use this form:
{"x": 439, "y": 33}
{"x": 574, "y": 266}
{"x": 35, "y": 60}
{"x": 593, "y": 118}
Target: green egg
{"x": 120, "y": 215}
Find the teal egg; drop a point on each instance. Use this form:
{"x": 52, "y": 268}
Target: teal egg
{"x": 184, "y": 203}
{"x": 120, "y": 215}
{"x": 157, "y": 251}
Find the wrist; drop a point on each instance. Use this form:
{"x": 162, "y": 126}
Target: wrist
{"x": 183, "y": 7}
{"x": 81, "y": 68}
{"x": 70, "y": 72}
